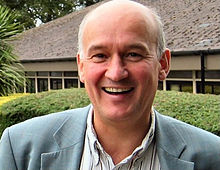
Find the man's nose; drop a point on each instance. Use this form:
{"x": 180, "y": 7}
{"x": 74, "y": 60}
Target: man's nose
{"x": 116, "y": 69}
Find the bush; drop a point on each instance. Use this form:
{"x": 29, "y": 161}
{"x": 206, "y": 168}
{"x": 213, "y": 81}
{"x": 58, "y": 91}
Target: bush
{"x": 199, "y": 110}
{"x": 33, "y": 105}
{"x": 6, "y": 99}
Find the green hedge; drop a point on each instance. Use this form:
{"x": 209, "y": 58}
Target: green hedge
{"x": 199, "y": 110}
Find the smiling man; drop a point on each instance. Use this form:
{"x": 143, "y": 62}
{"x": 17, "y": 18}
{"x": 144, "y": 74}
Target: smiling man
{"x": 120, "y": 66}
{"x": 121, "y": 58}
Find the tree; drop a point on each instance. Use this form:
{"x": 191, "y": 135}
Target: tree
{"x": 44, "y": 10}
{"x": 11, "y": 72}
{"x": 86, "y": 3}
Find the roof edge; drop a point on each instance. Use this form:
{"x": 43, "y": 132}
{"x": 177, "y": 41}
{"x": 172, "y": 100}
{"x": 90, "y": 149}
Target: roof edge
{"x": 48, "y": 60}
{"x": 195, "y": 52}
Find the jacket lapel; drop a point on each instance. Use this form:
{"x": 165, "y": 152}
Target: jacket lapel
{"x": 170, "y": 145}
{"x": 70, "y": 139}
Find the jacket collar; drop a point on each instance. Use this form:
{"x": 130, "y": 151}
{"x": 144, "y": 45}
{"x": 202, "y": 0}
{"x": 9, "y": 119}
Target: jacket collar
{"x": 170, "y": 145}
{"x": 70, "y": 139}
{"x": 73, "y": 129}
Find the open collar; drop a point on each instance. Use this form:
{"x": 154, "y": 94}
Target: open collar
{"x": 70, "y": 139}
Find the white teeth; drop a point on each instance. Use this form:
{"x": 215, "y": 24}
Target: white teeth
{"x": 117, "y": 90}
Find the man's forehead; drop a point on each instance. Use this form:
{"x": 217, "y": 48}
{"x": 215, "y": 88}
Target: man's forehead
{"x": 111, "y": 21}
{"x": 120, "y": 12}
{"x": 117, "y": 8}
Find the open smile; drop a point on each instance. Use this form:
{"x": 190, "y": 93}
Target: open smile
{"x": 115, "y": 91}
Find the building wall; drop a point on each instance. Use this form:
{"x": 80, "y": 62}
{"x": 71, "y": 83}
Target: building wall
{"x": 185, "y": 74}
{"x": 51, "y": 66}
{"x": 212, "y": 62}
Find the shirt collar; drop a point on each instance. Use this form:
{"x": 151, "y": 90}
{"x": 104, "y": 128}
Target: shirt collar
{"x": 97, "y": 149}
{"x": 92, "y": 137}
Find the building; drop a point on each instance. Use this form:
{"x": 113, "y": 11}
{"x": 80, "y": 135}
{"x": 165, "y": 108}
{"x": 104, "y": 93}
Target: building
{"x": 192, "y": 32}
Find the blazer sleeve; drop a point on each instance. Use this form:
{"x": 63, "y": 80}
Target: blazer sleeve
{"x": 7, "y": 161}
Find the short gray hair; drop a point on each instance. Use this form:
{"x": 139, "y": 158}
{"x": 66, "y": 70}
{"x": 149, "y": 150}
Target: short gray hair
{"x": 161, "y": 43}
{"x": 80, "y": 34}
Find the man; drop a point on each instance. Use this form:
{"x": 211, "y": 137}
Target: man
{"x": 121, "y": 58}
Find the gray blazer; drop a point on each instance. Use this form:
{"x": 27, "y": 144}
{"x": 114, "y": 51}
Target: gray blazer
{"x": 55, "y": 142}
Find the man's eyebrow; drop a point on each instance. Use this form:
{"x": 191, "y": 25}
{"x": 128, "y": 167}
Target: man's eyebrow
{"x": 139, "y": 46}
{"x": 96, "y": 47}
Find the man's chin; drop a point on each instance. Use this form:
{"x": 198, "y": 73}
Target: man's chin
{"x": 116, "y": 114}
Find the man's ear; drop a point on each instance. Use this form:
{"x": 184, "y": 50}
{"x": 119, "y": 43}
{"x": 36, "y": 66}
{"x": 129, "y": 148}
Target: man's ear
{"x": 165, "y": 65}
{"x": 80, "y": 68}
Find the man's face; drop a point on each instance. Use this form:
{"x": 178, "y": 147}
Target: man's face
{"x": 120, "y": 68}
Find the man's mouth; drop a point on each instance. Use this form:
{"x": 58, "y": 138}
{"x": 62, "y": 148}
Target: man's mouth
{"x": 111, "y": 90}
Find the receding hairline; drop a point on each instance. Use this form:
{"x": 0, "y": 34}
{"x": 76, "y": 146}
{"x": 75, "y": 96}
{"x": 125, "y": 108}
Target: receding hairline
{"x": 146, "y": 11}
{"x": 119, "y": 5}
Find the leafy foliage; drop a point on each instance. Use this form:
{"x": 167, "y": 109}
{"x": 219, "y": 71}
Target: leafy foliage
{"x": 199, "y": 110}
{"x": 11, "y": 72}
{"x": 86, "y": 3}
{"x": 44, "y": 103}
{"x": 6, "y": 99}
{"x": 44, "y": 10}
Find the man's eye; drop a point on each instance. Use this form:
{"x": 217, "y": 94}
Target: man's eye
{"x": 134, "y": 56}
{"x": 98, "y": 58}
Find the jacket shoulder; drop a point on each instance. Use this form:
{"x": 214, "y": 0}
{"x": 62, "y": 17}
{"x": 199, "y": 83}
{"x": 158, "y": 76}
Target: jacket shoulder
{"x": 22, "y": 144}
{"x": 47, "y": 122}
{"x": 186, "y": 131}
{"x": 200, "y": 146}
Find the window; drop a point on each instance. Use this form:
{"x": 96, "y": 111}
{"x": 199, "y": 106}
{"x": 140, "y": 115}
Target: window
{"x": 210, "y": 87}
{"x": 42, "y": 84}
{"x": 174, "y": 87}
{"x": 209, "y": 74}
{"x": 180, "y": 74}
{"x": 56, "y": 74}
{"x": 30, "y": 73}
{"x": 71, "y": 83}
{"x": 56, "y": 84}
{"x": 42, "y": 73}
{"x": 183, "y": 86}
{"x": 160, "y": 85}
{"x": 186, "y": 87}
{"x": 30, "y": 85}
{"x": 70, "y": 74}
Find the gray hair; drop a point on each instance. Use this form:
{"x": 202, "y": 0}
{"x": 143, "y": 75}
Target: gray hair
{"x": 161, "y": 44}
{"x": 80, "y": 34}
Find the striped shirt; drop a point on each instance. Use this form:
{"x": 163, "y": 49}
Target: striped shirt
{"x": 95, "y": 158}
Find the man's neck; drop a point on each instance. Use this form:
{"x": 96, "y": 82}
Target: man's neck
{"x": 120, "y": 139}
